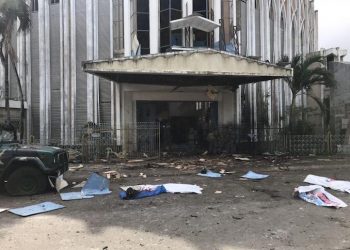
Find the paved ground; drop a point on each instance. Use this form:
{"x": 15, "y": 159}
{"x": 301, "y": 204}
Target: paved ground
{"x": 247, "y": 215}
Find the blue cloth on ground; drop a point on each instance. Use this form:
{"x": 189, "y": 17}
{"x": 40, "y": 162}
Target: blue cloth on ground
{"x": 35, "y": 209}
{"x": 144, "y": 193}
{"x": 96, "y": 185}
{"x": 74, "y": 196}
{"x": 210, "y": 174}
{"x": 254, "y": 176}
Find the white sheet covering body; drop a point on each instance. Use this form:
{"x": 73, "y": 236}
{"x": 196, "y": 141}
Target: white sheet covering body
{"x": 343, "y": 186}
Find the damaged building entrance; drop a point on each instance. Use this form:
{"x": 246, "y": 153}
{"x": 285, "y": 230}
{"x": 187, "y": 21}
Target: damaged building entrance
{"x": 184, "y": 124}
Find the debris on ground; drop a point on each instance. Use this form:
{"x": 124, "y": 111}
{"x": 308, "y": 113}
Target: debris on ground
{"x": 208, "y": 173}
{"x": 223, "y": 171}
{"x": 202, "y": 160}
{"x": 132, "y": 193}
{"x": 136, "y": 161}
{"x": 96, "y": 185}
{"x": 221, "y": 163}
{"x": 76, "y": 168}
{"x": 174, "y": 188}
{"x": 343, "y": 186}
{"x": 35, "y": 209}
{"x": 239, "y": 196}
{"x": 143, "y": 175}
{"x": 162, "y": 164}
{"x": 182, "y": 188}
{"x": 254, "y": 176}
{"x": 74, "y": 196}
{"x": 142, "y": 191}
{"x": 112, "y": 174}
{"x": 218, "y": 192}
{"x": 80, "y": 185}
{"x": 75, "y": 156}
{"x": 324, "y": 159}
{"x": 60, "y": 183}
{"x": 242, "y": 159}
{"x": 319, "y": 196}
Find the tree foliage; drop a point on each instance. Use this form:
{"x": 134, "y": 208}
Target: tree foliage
{"x": 306, "y": 74}
{"x": 10, "y": 12}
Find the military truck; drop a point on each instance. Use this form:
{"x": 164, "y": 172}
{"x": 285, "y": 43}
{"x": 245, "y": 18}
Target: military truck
{"x": 26, "y": 169}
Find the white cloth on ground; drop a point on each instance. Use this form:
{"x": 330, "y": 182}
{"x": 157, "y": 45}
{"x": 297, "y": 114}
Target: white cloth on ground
{"x": 343, "y": 186}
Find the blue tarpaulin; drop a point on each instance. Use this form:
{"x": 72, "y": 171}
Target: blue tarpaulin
{"x": 74, "y": 196}
{"x": 254, "y": 176}
{"x": 210, "y": 174}
{"x": 157, "y": 190}
{"x": 36, "y": 209}
{"x": 96, "y": 185}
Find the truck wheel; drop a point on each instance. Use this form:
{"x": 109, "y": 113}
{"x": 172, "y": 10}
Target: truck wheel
{"x": 26, "y": 181}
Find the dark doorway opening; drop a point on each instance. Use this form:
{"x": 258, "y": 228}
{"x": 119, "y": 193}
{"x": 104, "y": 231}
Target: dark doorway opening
{"x": 184, "y": 125}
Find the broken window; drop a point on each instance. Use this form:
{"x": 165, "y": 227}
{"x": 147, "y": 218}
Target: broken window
{"x": 200, "y": 38}
{"x": 169, "y": 10}
{"x": 142, "y": 11}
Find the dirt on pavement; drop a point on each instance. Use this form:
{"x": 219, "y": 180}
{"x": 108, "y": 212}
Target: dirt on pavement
{"x": 246, "y": 215}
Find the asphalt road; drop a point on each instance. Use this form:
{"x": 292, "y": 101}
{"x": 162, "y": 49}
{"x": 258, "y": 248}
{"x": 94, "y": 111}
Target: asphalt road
{"x": 246, "y": 215}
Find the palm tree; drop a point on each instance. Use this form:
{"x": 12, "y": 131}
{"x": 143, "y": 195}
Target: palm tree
{"x": 10, "y": 12}
{"x": 306, "y": 74}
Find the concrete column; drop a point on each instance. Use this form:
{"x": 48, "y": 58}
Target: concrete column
{"x": 95, "y": 51}
{"x": 187, "y": 9}
{"x": 73, "y": 70}
{"x": 127, "y": 28}
{"x": 28, "y": 80}
{"x": 91, "y": 54}
{"x": 217, "y": 17}
{"x": 20, "y": 65}
{"x": 28, "y": 83}
{"x": 154, "y": 26}
{"x": 66, "y": 73}
{"x": 316, "y": 31}
{"x": 44, "y": 70}
{"x": 115, "y": 87}
{"x": 238, "y": 90}
{"x": 111, "y": 52}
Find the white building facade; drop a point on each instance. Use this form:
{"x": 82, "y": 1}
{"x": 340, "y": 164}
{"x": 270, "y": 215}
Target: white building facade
{"x": 61, "y": 98}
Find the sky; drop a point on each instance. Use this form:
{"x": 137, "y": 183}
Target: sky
{"x": 334, "y": 24}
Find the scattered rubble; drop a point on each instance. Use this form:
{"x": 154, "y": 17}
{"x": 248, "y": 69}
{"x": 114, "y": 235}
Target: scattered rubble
{"x": 80, "y": 185}
{"x": 3, "y": 209}
{"x": 208, "y": 173}
{"x": 112, "y": 174}
{"x": 143, "y": 175}
{"x": 76, "y": 168}
{"x": 254, "y": 176}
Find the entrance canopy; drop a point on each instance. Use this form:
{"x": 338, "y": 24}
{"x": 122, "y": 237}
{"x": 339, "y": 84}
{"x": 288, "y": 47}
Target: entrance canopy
{"x": 186, "y": 68}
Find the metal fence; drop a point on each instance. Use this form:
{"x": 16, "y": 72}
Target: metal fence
{"x": 101, "y": 141}
{"x": 298, "y": 144}
{"x": 142, "y": 140}
{"x": 228, "y": 139}
{"x": 138, "y": 140}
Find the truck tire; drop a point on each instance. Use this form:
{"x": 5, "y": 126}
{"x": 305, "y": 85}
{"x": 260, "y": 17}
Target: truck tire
{"x": 26, "y": 181}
